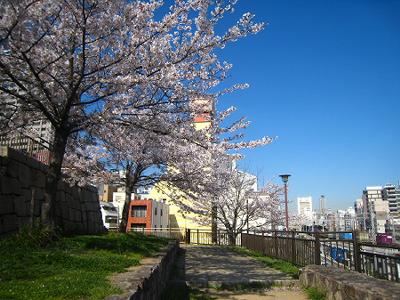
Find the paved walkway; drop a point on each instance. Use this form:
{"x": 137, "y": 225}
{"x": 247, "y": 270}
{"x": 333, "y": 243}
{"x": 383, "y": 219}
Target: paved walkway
{"x": 206, "y": 267}
{"x": 221, "y": 265}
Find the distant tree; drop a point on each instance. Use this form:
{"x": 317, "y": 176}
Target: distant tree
{"x": 228, "y": 193}
{"x": 80, "y": 64}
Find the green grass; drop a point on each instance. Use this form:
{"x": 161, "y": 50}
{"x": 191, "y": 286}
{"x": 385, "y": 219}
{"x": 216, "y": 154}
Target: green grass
{"x": 41, "y": 265}
{"x": 278, "y": 264}
{"x": 315, "y": 294}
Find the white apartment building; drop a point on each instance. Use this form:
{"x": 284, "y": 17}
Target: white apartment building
{"x": 360, "y": 222}
{"x": 118, "y": 199}
{"x": 391, "y": 194}
{"x": 304, "y": 206}
{"x": 346, "y": 219}
{"x": 340, "y": 224}
{"x": 376, "y": 210}
{"x": 304, "y": 209}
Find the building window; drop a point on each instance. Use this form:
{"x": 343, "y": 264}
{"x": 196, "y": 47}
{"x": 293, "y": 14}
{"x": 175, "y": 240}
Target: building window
{"x": 139, "y": 211}
{"x": 137, "y": 227}
{"x": 155, "y": 211}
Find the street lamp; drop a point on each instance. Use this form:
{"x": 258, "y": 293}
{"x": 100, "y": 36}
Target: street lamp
{"x": 285, "y": 178}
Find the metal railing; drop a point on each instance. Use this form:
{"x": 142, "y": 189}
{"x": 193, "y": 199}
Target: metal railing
{"x": 170, "y": 233}
{"x": 192, "y": 236}
{"x": 340, "y": 249}
{"x": 205, "y": 237}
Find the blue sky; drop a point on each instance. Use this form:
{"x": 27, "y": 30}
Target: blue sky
{"x": 325, "y": 79}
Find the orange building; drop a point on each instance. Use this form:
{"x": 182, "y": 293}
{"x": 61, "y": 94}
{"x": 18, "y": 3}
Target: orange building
{"x": 148, "y": 213}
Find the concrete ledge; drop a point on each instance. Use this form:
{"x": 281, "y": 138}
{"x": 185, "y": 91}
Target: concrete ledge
{"x": 244, "y": 283}
{"x": 341, "y": 284}
{"x": 149, "y": 279}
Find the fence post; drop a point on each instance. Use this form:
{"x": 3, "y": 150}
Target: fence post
{"x": 276, "y": 243}
{"x": 356, "y": 250}
{"x": 198, "y": 237}
{"x": 187, "y": 236}
{"x": 317, "y": 250}
{"x": 262, "y": 242}
{"x": 293, "y": 247}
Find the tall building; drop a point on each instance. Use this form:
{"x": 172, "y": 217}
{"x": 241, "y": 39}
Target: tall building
{"x": 331, "y": 221}
{"x": 322, "y": 205}
{"x": 340, "y": 221}
{"x": 349, "y": 219}
{"x": 34, "y": 137}
{"x": 204, "y": 110}
{"x": 391, "y": 194}
{"x": 376, "y": 209}
{"x": 360, "y": 221}
{"x": 304, "y": 209}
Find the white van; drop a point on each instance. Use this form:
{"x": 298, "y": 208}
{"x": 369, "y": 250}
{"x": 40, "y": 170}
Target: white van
{"x": 109, "y": 214}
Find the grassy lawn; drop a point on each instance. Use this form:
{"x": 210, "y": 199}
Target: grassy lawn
{"x": 278, "y": 264}
{"x": 39, "y": 265}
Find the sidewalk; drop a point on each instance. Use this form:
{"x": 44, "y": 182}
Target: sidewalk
{"x": 215, "y": 264}
{"x": 223, "y": 274}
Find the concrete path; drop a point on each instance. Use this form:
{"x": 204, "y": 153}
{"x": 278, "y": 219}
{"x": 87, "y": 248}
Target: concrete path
{"x": 211, "y": 268}
{"x": 221, "y": 265}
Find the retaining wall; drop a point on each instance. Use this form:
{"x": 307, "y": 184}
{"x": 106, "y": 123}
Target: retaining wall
{"x": 342, "y": 284}
{"x": 147, "y": 281}
{"x": 22, "y": 197}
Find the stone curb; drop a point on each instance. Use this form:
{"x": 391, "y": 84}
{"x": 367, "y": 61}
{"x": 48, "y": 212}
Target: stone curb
{"x": 149, "y": 279}
{"x": 232, "y": 284}
{"x": 342, "y": 284}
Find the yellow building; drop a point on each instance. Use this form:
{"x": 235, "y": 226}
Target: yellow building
{"x": 106, "y": 193}
{"x": 178, "y": 218}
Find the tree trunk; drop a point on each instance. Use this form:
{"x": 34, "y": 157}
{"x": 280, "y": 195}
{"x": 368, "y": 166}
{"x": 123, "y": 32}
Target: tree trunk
{"x": 232, "y": 237}
{"x": 214, "y": 227}
{"x": 123, "y": 226}
{"x": 56, "y": 159}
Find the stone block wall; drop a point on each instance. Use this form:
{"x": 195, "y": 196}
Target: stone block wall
{"x": 339, "y": 284}
{"x": 148, "y": 280}
{"x": 22, "y": 196}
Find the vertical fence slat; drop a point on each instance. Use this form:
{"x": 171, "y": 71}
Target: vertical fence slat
{"x": 293, "y": 247}
{"x": 317, "y": 250}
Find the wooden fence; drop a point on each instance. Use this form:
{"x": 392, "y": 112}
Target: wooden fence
{"x": 340, "y": 249}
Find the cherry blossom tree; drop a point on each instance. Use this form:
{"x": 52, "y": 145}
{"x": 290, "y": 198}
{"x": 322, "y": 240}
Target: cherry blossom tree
{"x": 230, "y": 195}
{"x": 83, "y": 63}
